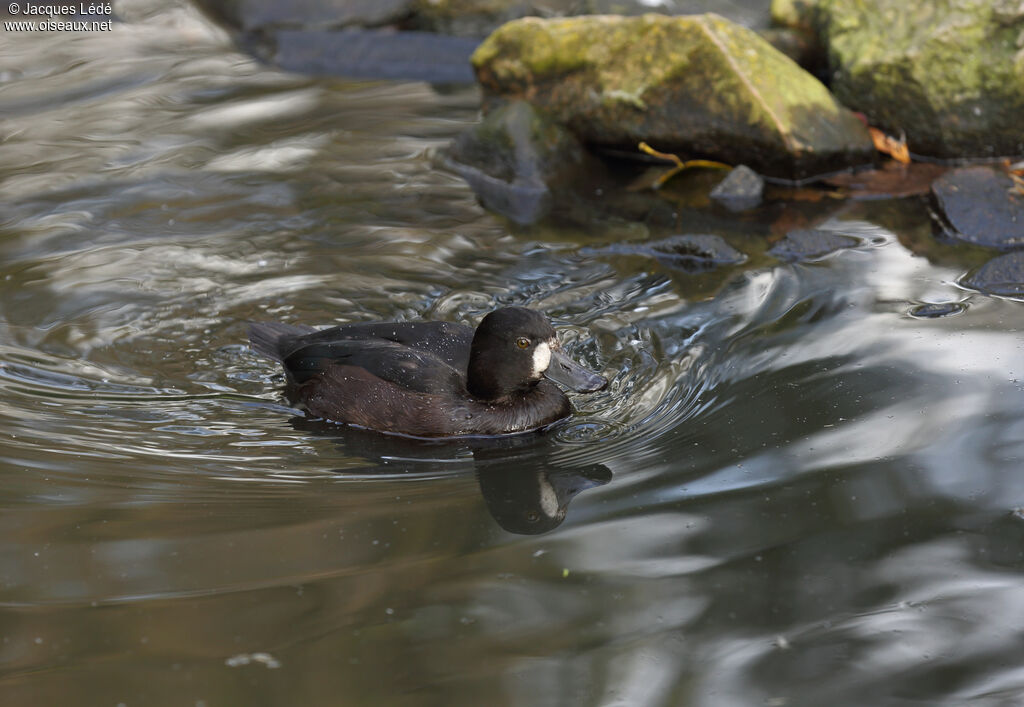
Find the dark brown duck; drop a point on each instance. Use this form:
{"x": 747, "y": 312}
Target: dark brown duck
{"x": 429, "y": 379}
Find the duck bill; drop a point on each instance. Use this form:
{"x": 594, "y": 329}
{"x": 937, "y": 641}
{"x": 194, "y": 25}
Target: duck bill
{"x": 567, "y": 372}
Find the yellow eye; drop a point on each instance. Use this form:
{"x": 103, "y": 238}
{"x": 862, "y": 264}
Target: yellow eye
{"x": 522, "y": 342}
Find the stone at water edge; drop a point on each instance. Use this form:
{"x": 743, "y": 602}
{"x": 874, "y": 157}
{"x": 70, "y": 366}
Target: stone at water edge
{"x": 811, "y": 244}
{"x": 1000, "y": 276}
{"x": 937, "y": 310}
{"x": 980, "y": 205}
{"x": 698, "y": 86}
{"x": 691, "y": 252}
{"x": 515, "y": 158}
{"x": 741, "y": 189}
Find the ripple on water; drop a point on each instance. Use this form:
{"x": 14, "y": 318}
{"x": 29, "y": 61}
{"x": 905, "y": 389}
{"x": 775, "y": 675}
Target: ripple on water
{"x": 588, "y": 432}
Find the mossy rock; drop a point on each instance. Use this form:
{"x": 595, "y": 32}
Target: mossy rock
{"x": 699, "y": 86}
{"x": 947, "y": 73}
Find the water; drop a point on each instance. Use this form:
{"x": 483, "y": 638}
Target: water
{"x": 797, "y": 490}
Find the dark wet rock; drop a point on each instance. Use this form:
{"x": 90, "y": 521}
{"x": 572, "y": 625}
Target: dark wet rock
{"x": 980, "y": 205}
{"x": 381, "y": 54}
{"x": 468, "y": 18}
{"x": 700, "y": 86}
{"x": 692, "y": 253}
{"x": 937, "y": 310}
{"x": 811, "y": 244}
{"x": 1003, "y": 275}
{"x": 265, "y": 15}
{"x": 802, "y": 47}
{"x": 329, "y": 37}
{"x": 459, "y": 18}
{"x": 950, "y": 73}
{"x": 478, "y": 18}
{"x": 515, "y": 159}
{"x": 741, "y": 189}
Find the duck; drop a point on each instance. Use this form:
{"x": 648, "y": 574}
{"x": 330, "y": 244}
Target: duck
{"x": 429, "y": 378}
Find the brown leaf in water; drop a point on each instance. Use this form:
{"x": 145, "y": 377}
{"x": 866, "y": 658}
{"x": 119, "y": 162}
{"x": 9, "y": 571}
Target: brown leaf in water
{"x": 897, "y": 149}
{"x": 893, "y": 180}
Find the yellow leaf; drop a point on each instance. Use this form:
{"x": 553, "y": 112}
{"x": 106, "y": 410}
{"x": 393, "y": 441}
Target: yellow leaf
{"x": 680, "y": 165}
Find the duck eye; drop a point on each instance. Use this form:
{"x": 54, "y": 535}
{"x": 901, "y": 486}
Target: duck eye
{"x": 522, "y": 342}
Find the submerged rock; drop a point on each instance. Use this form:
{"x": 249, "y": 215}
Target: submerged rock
{"x": 980, "y": 205}
{"x": 699, "y": 86}
{"x": 1003, "y": 275}
{"x": 937, "y": 310}
{"x": 949, "y": 73}
{"x": 693, "y": 253}
{"x": 741, "y": 189}
{"x": 515, "y": 158}
{"x": 811, "y": 244}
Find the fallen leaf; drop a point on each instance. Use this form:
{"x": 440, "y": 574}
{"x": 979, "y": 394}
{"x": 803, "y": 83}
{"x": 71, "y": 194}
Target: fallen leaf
{"x": 680, "y": 165}
{"x": 897, "y": 149}
{"x": 893, "y": 180}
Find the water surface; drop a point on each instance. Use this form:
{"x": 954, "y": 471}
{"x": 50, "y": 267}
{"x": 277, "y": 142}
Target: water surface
{"x": 795, "y": 491}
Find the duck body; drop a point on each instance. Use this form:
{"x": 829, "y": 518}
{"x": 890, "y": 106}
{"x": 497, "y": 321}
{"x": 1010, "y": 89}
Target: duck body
{"x": 429, "y": 379}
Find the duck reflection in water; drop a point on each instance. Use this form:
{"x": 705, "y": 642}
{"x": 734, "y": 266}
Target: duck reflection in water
{"x": 533, "y": 501}
{"x": 524, "y": 490}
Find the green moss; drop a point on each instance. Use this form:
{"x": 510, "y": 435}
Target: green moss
{"x": 944, "y": 71}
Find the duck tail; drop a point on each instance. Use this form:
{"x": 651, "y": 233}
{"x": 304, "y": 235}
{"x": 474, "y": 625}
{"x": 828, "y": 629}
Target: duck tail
{"x": 266, "y": 337}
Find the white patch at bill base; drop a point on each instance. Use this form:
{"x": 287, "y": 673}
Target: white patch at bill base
{"x": 541, "y": 359}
